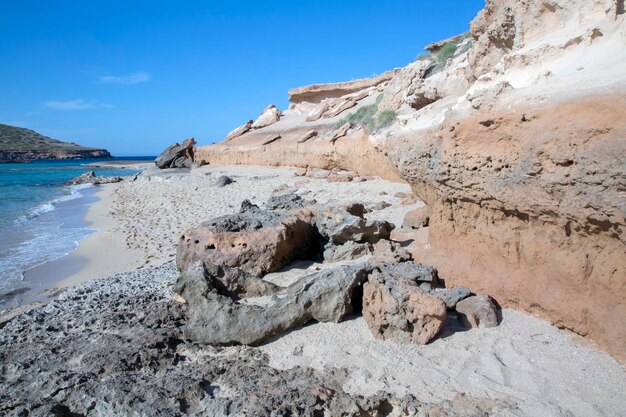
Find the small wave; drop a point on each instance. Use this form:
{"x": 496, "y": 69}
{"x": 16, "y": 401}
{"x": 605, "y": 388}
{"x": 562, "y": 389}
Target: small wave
{"x": 74, "y": 193}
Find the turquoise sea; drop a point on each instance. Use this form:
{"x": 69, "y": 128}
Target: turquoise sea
{"x": 38, "y": 214}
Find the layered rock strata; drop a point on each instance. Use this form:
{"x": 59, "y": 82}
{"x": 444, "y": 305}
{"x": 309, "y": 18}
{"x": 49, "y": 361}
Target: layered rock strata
{"x": 515, "y": 141}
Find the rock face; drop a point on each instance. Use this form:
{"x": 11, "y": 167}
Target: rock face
{"x": 91, "y": 178}
{"x": 522, "y": 170}
{"x": 477, "y": 311}
{"x": 214, "y": 317}
{"x": 395, "y": 307}
{"x": 255, "y": 241}
{"x": 177, "y": 155}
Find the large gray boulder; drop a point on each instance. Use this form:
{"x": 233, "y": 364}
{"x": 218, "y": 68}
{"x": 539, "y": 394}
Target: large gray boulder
{"x": 177, "y": 155}
{"x": 215, "y": 317}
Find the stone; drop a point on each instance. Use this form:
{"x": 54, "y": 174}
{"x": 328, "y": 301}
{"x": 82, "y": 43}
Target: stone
{"x": 477, "y": 311}
{"x": 235, "y": 133}
{"x": 387, "y": 251}
{"x": 269, "y": 116}
{"x": 114, "y": 348}
{"x": 216, "y": 318}
{"x": 417, "y": 218}
{"x": 254, "y": 240}
{"x": 318, "y": 111}
{"x": 340, "y": 132}
{"x": 356, "y": 209}
{"x": 286, "y": 200}
{"x": 424, "y": 276}
{"x": 317, "y": 173}
{"x": 346, "y": 252}
{"x": 177, "y": 155}
{"x": 271, "y": 139}
{"x": 91, "y": 178}
{"x": 394, "y": 307}
{"x": 451, "y": 296}
{"x": 223, "y": 181}
{"x": 308, "y": 135}
{"x": 338, "y": 227}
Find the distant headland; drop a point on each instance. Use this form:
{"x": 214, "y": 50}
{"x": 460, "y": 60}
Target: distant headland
{"x": 18, "y": 144}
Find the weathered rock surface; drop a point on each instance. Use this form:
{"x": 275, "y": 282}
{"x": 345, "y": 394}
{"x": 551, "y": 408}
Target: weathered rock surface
{"x": 113, "y": 348}
{"x": 317, "y": 92}
{"x": 395, "y": 307}
{"x": 177, "y": 155}
{"x": 417, "y": 218}
{"x": 91, "y": 178}
{"x": 516, "y": 190}
{"x": 214, "y": 317}
{"x": 269, "y": 116}
{"x": 477, "y": 311}
{"x": 451, "y": 296}
{"x": 235, "y": 133}
{"x": 339, "y": 227}
{"x": 254, "y": 240}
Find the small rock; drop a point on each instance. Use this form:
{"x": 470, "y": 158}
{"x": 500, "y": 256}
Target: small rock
{"x": 477, "y": 311}
{"x": 451, "y": 296}
{"x": 223, "y": 181}
{"x": 417, "y": 218}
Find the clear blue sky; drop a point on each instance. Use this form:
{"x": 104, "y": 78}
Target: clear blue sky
{"x": 135, "y": 76}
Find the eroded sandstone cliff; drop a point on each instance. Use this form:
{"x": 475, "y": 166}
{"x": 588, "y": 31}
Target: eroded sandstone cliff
{"x": 514, "y": 135}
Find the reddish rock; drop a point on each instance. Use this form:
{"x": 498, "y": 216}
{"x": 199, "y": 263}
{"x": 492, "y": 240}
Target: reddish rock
{"x": 396, "y": 308}
{"x": 477, "y": 311}
{"x": 250, "y": 242}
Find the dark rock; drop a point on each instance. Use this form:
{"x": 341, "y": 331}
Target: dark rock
{"x": 477, "y": 311}
{"x": 451, "y": 296}
{"x": 116, "y": 350}
{"x": 286, "y": 200}
{"x": 177, "y": 155}
{"x": 423, "y": 275}
{"x": 223, "y": 181}
{"x": 216, "y": 318}
{"x": 91, "y": 178}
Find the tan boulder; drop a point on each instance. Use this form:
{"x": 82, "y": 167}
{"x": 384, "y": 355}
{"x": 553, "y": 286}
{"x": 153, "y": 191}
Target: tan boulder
{"x": 255, "y": 241}
{"x": 269, "y": 116}
{"x": 239, "y": 131}
{"x": 477, "y": 311}
{"x": 417, "y": 218}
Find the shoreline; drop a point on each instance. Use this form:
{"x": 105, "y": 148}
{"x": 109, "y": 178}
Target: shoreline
{"x": 92, "y": 258}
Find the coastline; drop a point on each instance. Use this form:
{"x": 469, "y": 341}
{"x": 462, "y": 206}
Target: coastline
{"x": 92, "y": 258}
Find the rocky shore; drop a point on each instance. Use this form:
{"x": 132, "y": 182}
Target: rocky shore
{"x": 121, "y": 345}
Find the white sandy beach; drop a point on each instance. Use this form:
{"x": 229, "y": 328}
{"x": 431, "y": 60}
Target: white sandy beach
{"x": 525, "y": 360}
